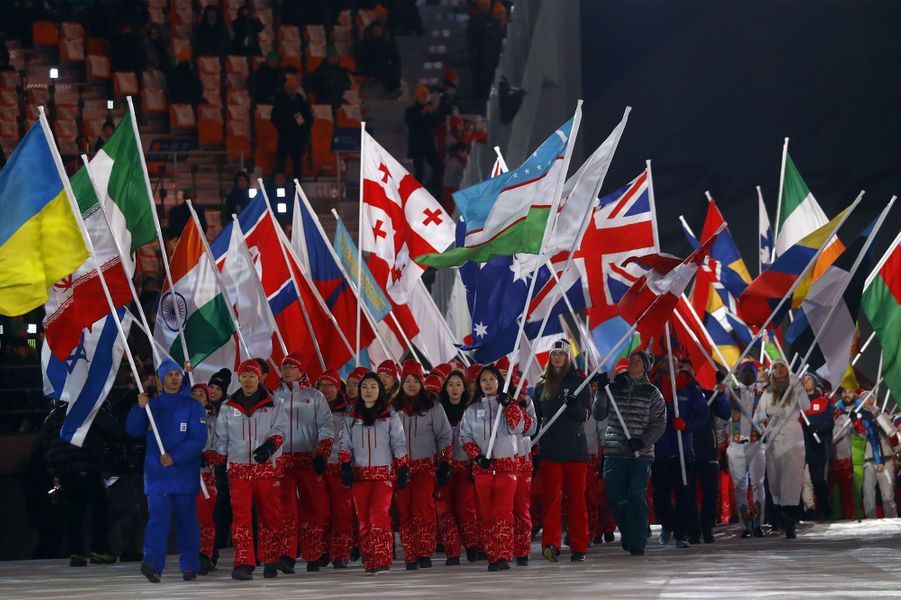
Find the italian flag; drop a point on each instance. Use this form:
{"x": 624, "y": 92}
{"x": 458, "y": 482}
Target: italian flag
{"x": 882, "y": 304}
{"x": 196, "y": 302}
{"x": 78, "y": 300}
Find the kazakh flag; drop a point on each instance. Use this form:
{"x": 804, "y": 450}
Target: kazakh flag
{"x": 40, "y": 241}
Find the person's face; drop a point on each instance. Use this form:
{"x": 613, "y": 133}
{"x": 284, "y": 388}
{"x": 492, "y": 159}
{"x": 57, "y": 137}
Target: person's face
{"x": 780, "y": 371}
{"x": 353, "y": 388}
{"x": 200, "y": 396}
{"x": 848, "y": 396}
{"x": 329, "y": 390}
{"x": 172, "y": 381}
{"x": 249, "y": 382}
{"x": 216, "y": 393}
{"x": 488, "y": 381}
{"x": 369, "y": 392}
{"x": 686, "y": 367}
{"x": 746, "y": 376}
{"x": 243, "y": 183}
{"x": 636, "y": 367}
{"x": 387, "y": 380}
{"x": 471, "y": 387}
{"x": 559, "y": 359}
{"x": 808, "y": 384}
{"x": 454, "y": 386}
{"x": 412, "y": 386}
{"x": 593, "y": 386}
{"x": 291, "y": 373}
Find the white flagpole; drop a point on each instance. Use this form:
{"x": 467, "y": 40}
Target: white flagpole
{"x": 863, "y": 348}
{"x": 501, "y": 161}
{"x": 218, "y": 275}
{"x": 775, "y": 225}
{"x": 653, "y": 205}
{"x": 672, "y": 380}
{"x": 360, "y": 238}
{"x": 73, "y": 204}
{"x": 760, "y": 207}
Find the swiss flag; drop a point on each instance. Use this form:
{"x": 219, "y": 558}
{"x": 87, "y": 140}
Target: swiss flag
{"x": 401, "y": 220}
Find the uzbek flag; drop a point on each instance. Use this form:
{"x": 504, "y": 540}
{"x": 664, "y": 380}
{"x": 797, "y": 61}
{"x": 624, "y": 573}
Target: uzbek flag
{"x": 40, "y": 240}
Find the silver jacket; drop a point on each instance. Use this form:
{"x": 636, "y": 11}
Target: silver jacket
{"x": 309, "y": 417}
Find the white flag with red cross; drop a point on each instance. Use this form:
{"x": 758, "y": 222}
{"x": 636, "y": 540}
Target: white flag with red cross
{"x": 401, "y": 220}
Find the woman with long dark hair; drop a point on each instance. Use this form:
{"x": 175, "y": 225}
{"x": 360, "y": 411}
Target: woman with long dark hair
{"x": 373, "y": 456}
{"x": 341, "y": 503}
{"x": 495, "y": 472}
{"x": 428, "y": 435}
{"x": 458, "y": 518}
{"x": 522, "y": 500}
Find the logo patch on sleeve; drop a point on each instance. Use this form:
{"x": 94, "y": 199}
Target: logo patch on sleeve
{"x": 182, "y": 426}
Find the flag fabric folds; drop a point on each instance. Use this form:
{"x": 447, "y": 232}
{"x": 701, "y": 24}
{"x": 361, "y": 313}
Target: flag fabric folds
{"x": 40, "y": 240}
{"x": 372, "y": 294}
{"x": 764, "y": 233}
{"x": 881, "y": 303}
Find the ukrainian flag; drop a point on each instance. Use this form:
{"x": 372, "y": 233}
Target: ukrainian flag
{"x": 40, "y": 241}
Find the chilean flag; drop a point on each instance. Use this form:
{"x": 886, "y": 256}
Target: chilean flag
{"x": 650, "y": 301}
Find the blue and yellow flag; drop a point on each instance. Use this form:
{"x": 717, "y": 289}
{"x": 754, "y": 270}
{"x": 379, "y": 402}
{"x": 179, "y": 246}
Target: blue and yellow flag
{"x": 40, "y": 241}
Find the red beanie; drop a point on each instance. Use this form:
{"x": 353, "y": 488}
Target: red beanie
{"x": 388, "y": 367}
{"x": 472, "y": 371}
{"x": 622, "y": 365}
{"x": 250, "y": 365}
{"x": 432, "y": 383}
{"x": 411, "y": 367}
{"x": 295, "y": 358}
{"x": 357, "y": 373}
{"x": 442, "y": 371}
{"x": 330, "y": 376}
{"x": 204, "y": 387}
{"x": 502, "y": 364}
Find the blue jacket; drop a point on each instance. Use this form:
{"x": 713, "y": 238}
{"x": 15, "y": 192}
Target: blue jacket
{"x": 692, "y": 408}
{"x": 181, "y": 421}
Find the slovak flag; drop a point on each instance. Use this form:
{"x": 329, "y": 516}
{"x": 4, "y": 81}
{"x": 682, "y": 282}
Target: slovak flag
{"x": 650, "y": 301}
{"x": 401, "y": 220}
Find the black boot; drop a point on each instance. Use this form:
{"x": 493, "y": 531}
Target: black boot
{"x": 149, "y": 571}
{"x": 707, "y": 532}
{"x": 242, "y": 573}
{"x": 472, "y": 554}
{"x": 522, "y": 561}
{"x": 790, "y": 518}
{"x": 425, "y": 562}
{"x": 286, "y": 565}
{"x": 206, "y": 565}
{"x": 270, "y": 571}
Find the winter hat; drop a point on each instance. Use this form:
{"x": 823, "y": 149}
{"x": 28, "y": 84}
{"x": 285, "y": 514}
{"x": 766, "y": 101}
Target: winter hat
{"x": 472, "y": 372}
{"x": 499, "y": 10}
{"x": 451, "y": 77}
{"x": 252, "y": 366}
{"x": 357, "y": 373}
{"x": 441, "y": 371}
{"x": 167, "y": 366}
{"x": 421, "y": 90}
{"x": 388, "y": 367}
{"x": 330, "y": 376}
{"x": 411, "y": 367}
{"x": 204, "y": 387}
{"x": 222, "y": 378}
{"x": 561, "y": 345}
{"x": 432, "y": 383}
{"x": 646, "y": 359}
{"x": 294, "y": 358}
{"x": 502, "y": 364}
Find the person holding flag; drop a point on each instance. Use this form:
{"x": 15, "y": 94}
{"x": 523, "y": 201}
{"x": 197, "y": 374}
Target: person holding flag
{"x": 206, "y": 500}
{"x": 522, "y": 500}
{"x": 341, "y": 501}
{"x": 171, "y": 478}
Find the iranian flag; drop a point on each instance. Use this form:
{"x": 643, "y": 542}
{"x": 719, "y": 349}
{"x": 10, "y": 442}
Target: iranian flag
{"x": 196, "y": 302}
{"x": 78, "y": 300}
{"x": 882, "y": 304}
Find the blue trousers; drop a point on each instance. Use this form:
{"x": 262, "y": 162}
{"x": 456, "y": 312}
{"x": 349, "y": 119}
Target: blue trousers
{"x": 187, "y": 531}
{"x": 666, "y": 475}
{"x": 627, "y": 493}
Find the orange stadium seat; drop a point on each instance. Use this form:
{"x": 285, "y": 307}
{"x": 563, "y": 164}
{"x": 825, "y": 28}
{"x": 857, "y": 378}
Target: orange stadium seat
{"x": 125, "y": 83}
{"x": 209, "y": 124}
{"x": 44, "y": 33}
{"x": 98, "y": 67}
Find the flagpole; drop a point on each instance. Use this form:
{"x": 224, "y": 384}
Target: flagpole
{"x": 365, "y": 310}
{"x": 73, "y": 204}
{"x": 672, "y": 380}
{"x": 500, "y": 157}
{"x": 697, "y": 319}
{"x": 548, "y": 228}
{"x": 161, "y": 239}
{"x": 218, "y": 275}
{"x": 844, "y": 285}
{"x": 863, "y": 348}
{"x": 653, "y": 206}
{"x": 779, "y": 199}
{"x": 360, "y": 239}
{"x": 122, "y": 260}
{"x": 245, "y": 252}
{"x": 795, "y": 283}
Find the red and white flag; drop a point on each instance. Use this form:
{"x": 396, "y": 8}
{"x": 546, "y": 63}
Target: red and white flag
{"x": 401, "y": 220}
{"x": 650, "y": 301}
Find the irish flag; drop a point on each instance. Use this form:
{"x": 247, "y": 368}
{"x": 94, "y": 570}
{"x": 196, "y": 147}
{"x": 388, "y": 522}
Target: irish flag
{"x": 197, "y": 302}
{"x": 882, "y": 305}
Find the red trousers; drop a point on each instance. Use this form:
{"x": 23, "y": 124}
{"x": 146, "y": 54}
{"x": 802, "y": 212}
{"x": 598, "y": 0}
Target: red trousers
{"x": 417, "y": 514}
{"x": 341, "y": 523}
{"x": 458, "y": 516}
{"x": 522, "y": 516}
{"x": 600, "y": 519}
{"x": 304, "y": 519}
{"x": 727, "y": 495}
{"x": 841, "y": 472}
{"x": 495, "y": 492}
{"x": 568, "y": 477}
{"x": 265, "y": 494}
{"x": 372, "y": 500}
{"x": 205, "y": 508}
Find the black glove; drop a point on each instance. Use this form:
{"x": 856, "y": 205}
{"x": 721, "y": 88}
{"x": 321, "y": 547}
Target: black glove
{"x": 347, "y": 474}
{"x": 571, "y": 400}
{"x": 854, "y": 416}
{"x": 504, "y": 399}
{"x": 602, "y": 380}
{"x": 444, "y": 474}
{"x": 264, "y": 452}
{"x": 483, "y": 461}
{"x": 403, "y": 477}
{"x": 634, "y": 444}
{"x": 319, "y": 463}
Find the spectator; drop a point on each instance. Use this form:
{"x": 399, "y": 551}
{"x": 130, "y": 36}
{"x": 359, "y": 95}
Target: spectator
{"x": 486, "y": 33}
{"x": 237, "y": 198}
{"x": 246, "y": 27}
{"x": 292, "y": 118}
{"x": 447, "y": 106}
{"x": 156, "y": 49}
{"x": 184, "y": 85}
{"x": 126, "y": 51}
{"x": 268, "y": 79}
{"x": 210, "y": 35}
{"x": 180, "y": 215}
{"x": 453, "y": 175}
{"x": 377, "y": 57}
{"x": 421, "y": 119}
{"x": 105, "y": 133}
{"x": 330, "y": 81}
{"x": 405, "y": 17}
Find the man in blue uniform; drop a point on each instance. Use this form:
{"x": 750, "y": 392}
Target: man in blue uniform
{"x": 171, "y": 479}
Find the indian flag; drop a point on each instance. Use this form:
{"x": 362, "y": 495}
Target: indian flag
{"x": 196, "y": 302}
{"x": 882, "y": 304}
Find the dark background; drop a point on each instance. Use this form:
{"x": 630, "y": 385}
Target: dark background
{"x": 716, "y": 86}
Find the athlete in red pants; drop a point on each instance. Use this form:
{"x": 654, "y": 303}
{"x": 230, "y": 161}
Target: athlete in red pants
{"x": 341, "y": 504}
{"x": 373, "y": 454}
{"x": 522, "y": 499}
{"x": 250, "y": 431}
{"x": 495, "y": 476}
{"x": 206, "y": 503}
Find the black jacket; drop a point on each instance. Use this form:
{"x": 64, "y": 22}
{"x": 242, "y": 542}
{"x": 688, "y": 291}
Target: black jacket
{"x": 565, "y": 440}
{"x": 283, "y": 117}
{"x": 102, "y": 445}
{"x": 421, "y": 135}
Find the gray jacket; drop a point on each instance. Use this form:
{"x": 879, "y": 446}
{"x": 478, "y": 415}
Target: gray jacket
{"x": 238, "y": 433}
{"x": 309, "y": 417}
{"x": 478, "y": 421}
{"x": 376, "y": 445}
{"x": 643, "y": 410}
{"x": 428, "y": 435}
{"x": 524, "y": 439}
